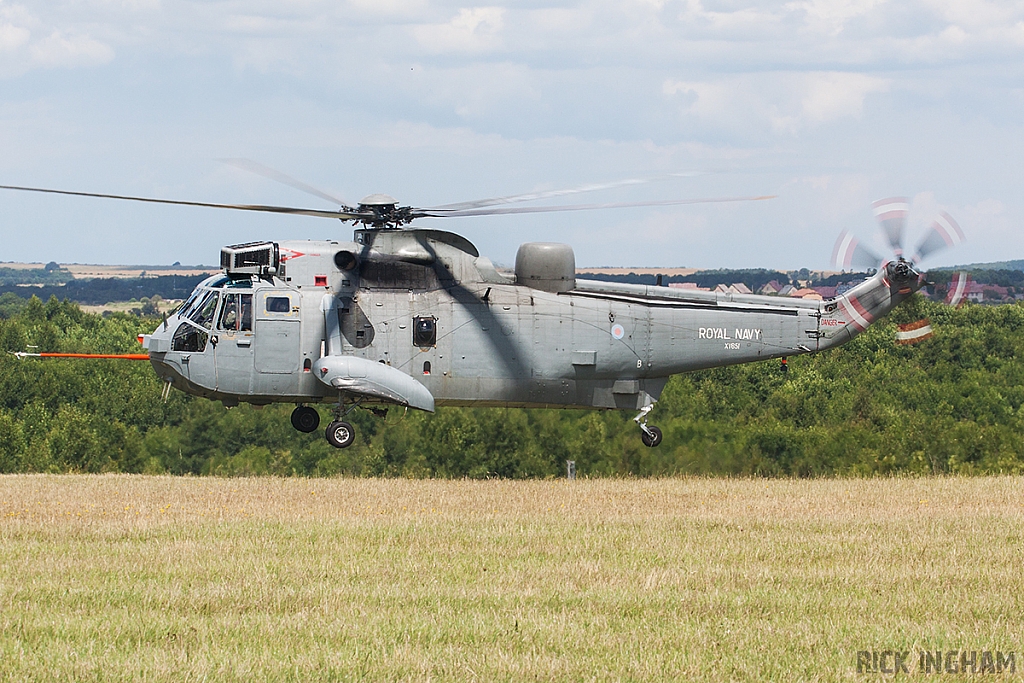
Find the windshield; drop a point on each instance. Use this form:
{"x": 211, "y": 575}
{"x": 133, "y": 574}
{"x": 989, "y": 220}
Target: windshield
{"x": 183, "y": 309}
{"x": 202, "y": 311}
{"x": 201, "y": 305}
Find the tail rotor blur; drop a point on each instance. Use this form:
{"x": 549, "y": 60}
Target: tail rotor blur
{"x": 850, "y": 253}
{"x": 891, "y": 215}
{"x": 944, "y": 232}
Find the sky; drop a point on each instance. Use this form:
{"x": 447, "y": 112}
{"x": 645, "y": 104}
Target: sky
{"x": 829, "y": 105}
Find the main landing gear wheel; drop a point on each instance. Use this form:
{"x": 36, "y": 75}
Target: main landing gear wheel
{"x": 651, "y": 437}
{"x": 305, "y": 419}
{"x": 340, "y": 434}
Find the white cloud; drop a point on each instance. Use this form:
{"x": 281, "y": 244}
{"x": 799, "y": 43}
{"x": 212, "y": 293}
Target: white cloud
{"x": 389, "y": 7}
{"x": 61, "y": 50}
{"x": 831, "y": 16}
{"x": 788, "y": 102}
{"x": 560, "y": 19}
{"x": 832, "y": 95}
{"x": 473, "y": 29}
{"x": 975, "y": 13}
{"x": 12, "y": 37}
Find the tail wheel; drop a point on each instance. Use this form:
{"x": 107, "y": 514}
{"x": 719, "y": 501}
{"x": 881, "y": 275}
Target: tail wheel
{"x": 305, "y": 419}
{"x": 340, "y": 434}
{"x": 651, "y": 439}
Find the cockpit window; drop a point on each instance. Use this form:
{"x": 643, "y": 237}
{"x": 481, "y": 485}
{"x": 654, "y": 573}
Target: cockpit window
{"x": 189, "y": 301}
{"x": 188, "y": 338}
{"x": 236, "y": 313}
{"x": 216, "y": 281}
{"x": 194, "y": 302}
{"x": 203, "y": 311}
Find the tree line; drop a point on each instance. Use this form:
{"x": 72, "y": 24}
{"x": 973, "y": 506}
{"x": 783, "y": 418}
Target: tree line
{"x": 102, "y": 290}
{"x": 949, "y": 405}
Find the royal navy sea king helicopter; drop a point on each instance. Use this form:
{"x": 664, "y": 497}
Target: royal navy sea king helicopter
{"x": 416, "y": 317}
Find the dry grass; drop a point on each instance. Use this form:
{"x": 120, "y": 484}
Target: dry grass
{"x": 126, "y": 577}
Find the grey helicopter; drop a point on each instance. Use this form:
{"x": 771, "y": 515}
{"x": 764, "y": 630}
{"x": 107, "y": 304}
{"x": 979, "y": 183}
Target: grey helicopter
{"x": 418, "y": 318}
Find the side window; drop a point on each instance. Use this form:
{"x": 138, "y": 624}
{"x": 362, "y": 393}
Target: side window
{"x": 278, "y": 304}
{"x": 245, "y": 319}
{"x": 424, "y": 331}
{"x": 229, "y": 313}
{"x": 236, "y": 313}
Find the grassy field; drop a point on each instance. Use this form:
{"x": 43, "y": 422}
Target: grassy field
{"x": 158, "y": 578}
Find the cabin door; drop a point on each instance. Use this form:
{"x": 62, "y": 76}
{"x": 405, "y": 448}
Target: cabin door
{"x": 278, "y": 332}
{"x": 234, "y": 347}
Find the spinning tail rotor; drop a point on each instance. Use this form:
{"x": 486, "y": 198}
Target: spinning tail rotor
{"x": 891, "y": 215}
{"x": 943, "y": 232}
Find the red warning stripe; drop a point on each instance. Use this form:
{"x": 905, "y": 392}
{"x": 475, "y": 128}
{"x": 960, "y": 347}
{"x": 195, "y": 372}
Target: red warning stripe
{"x": 859, "y": 316}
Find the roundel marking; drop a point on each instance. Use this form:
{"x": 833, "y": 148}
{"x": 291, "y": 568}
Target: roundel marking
{"x": 618, "y": 331}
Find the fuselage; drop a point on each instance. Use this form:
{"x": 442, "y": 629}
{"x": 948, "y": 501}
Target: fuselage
{"x": 425, "y": 304}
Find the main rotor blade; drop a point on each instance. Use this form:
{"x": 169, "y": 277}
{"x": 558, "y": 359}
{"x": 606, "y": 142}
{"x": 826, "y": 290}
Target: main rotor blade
{"x": 242, "y": 207}
{"x": 547, "y": 194}
{"x": 943, "y": 232}
{"x": 891, "y": 214}
{"x": 850, "y": 253}
{"x": 273, "y": 174}
{"x": 437, "y": 213}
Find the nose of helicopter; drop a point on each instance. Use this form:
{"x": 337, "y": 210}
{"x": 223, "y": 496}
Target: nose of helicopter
{"x": 158, "y": 343}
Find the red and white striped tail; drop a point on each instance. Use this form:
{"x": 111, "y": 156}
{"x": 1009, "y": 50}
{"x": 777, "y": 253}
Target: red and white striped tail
{"x": 859, "y": 316}
{"x": 913, "y": 333}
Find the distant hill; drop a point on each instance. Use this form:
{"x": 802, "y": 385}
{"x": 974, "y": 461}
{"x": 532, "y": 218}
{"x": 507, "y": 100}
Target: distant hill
{"x": 99, "y": 291}
{"x": 995, "y": 265}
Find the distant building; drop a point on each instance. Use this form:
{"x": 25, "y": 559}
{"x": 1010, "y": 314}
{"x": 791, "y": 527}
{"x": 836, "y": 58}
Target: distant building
{"x": 975, "y": 292}
{"x": 805, "y": 293}
{"x": 736, "y": 288}
{"x": 687, "y": 285}
{"x": 996, "y": 292}
{"x": 825, "y": 291}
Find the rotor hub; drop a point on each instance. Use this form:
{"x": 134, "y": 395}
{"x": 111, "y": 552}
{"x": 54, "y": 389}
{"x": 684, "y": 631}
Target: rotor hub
{"x": 378, "y": 199}
{"x": 902, "y": 269}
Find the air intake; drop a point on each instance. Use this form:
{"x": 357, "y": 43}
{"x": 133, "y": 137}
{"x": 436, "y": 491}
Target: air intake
{"x": 253, "y": 258}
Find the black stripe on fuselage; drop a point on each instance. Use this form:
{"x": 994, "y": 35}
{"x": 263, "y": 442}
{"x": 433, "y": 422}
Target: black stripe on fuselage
{"x": 665, "y": 302}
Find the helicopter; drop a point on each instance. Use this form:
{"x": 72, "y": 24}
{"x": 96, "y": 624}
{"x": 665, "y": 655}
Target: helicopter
{"x": 418, "y": 318}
